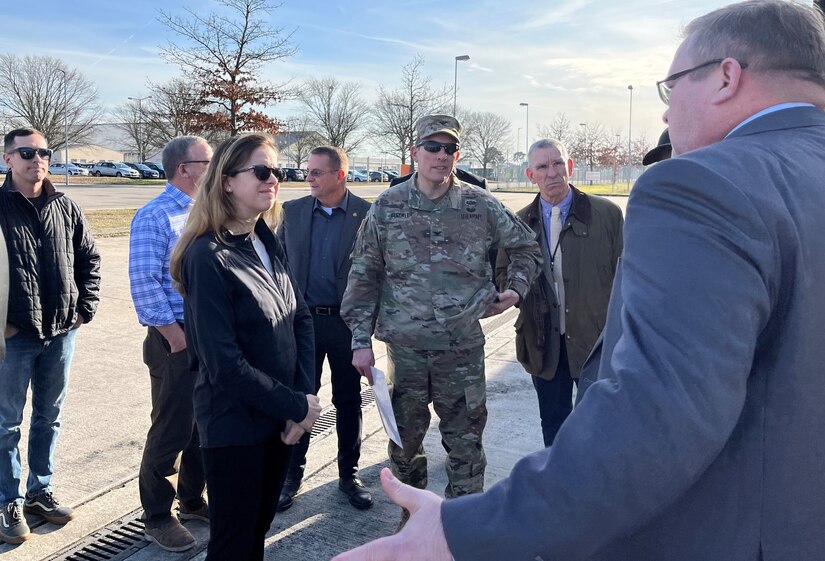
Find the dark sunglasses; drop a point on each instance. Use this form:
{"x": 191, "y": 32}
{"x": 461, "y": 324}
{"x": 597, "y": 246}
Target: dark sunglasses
{"x": 450, "y": 148}
{"x": 261, "y": 172}
{"x": 28, "y": 153}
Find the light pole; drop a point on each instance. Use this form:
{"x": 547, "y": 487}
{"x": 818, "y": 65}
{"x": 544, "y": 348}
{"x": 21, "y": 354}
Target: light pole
{"x": 65, "y": 124}
{"x": 526, "y": 125}
{"x": 461, "y": 58}
{"x": 586, "y": 147}
{"x": 629, "y": 129}
{"x": 526, "y": 130}
{"x": 140, "y": 125}
{"x": 518, "y": 139}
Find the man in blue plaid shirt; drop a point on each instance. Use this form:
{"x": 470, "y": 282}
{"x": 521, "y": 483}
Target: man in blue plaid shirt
{"x": 155, "y": 229}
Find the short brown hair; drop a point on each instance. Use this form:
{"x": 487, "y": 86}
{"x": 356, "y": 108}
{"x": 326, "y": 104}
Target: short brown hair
{"x": 337, "y": 156}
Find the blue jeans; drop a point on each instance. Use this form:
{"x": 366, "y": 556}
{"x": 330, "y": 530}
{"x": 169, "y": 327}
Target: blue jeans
{"x": 46, "y": 364}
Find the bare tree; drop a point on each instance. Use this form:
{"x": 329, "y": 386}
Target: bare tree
{"x": 176, "y": 109}
{"x": 299, "y": 138}
{"x": 613, "y": 153}
{"x": 336, "y": 109}
{"x": 640, "y": 146}
{"x": 559, "y": 129}
{"x": 587, "y": 143}
{"x": 224, "y": 54}
{"x": 130, "y": 118}
{"x": 397, "y": 111}
{"x": 485, "y": 137}
{"x": 33, "y": 93}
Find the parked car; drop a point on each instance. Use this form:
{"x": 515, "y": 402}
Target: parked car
{"x": 378, "y": 176}
{"x": 145, "y": 171}
{"x": 391, "y": 174}
{"x": 114, "y": 169}
{"x": 4, "y": 168}
{"x": 158, "y": 167}
{"x": 293, "y": 174}
{"x": 84, "y": 165}
{"x": 59, "y": 168}
{"x": 357, "y": 176}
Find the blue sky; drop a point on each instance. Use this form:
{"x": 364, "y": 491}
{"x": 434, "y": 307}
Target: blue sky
{"x": 571, "y": 56}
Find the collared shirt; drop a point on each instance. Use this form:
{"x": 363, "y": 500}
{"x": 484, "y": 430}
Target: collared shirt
{"x": 547, "y": 211}
{"x": 155, "y": 230}
{"x": 771, "y": 109}
{"x": 325, "y": 235}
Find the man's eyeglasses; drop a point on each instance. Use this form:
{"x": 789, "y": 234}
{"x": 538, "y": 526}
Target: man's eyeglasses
{"x": 318, "y": 172}
{"x": 28, "y": 153}
{"x": 196, "y": 162}
{"x": 450, "y": 148}
{"x": 664, "y": 89}
{"x": 261, "y": 172}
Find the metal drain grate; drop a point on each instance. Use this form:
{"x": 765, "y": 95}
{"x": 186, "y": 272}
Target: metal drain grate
{"x": 117, "y": 541}
{"x": 326, "y": 422}
{"x": 124, "y": 537}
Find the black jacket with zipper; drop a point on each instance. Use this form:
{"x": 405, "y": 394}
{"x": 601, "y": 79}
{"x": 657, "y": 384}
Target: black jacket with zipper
{"x": 54, "y": 266}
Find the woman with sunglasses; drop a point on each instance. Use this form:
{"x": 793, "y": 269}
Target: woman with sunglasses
{"x": 252, "y": 336}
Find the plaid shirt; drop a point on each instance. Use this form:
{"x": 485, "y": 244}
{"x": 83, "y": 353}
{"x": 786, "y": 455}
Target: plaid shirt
{"x": 155, "y": 230}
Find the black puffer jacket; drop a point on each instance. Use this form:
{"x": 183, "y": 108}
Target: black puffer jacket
{"x": 54, "y": 267}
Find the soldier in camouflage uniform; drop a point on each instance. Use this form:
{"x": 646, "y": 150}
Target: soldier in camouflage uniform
{"x": 420, "y": 279}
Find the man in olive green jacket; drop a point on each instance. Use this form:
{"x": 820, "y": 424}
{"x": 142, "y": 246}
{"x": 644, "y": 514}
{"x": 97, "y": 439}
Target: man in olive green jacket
{"x": 562, "y": 315}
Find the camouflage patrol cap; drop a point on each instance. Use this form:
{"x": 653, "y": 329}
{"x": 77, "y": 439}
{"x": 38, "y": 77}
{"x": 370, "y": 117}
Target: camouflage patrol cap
{"x": 428, "y": 125}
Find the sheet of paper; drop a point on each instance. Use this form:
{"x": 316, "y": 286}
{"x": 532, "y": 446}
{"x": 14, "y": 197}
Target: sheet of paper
{"x": 382, "y": 399}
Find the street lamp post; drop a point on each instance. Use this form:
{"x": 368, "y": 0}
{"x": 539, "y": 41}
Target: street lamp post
{"x": 586, "y": 148}
{"x": 629, "y": 129}
{"x": 65, "y": 125}
{"x": 461, "y": 58}
{"x": 526, "y": 125}
{"x": 140, "y": 124}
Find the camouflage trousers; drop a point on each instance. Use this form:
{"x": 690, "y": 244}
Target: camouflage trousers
{"x": 454, "y": 382}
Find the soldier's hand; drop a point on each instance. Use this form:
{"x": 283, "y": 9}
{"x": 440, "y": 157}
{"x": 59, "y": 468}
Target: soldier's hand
{"x": 422, "y": 536}
{"x": 292, "y": 433}
{"x": 506, "y": 299}
{"x": 313, "y": 412}
{"x": 363, "y": 360}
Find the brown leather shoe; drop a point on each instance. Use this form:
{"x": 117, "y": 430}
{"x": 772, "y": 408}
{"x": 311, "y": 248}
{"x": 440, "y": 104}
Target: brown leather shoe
{"x": 356, "y": 492}
{"x": 201, "y": 513}
{"x": 170, "y": 535}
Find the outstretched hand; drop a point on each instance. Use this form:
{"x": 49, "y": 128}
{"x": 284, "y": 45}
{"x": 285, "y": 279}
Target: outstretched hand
{"x": 421, "y": 538}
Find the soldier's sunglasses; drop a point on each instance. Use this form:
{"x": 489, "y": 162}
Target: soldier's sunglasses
{"x": 450, "y": 148}
{"x": 28, "y": 153}
{"x": 261, "y": 172}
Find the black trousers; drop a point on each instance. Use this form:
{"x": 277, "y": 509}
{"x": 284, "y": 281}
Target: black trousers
{"x": 555, "y": 397}
{"x": 244, "y": 484}
{"x": 333, "y": 340}
{"x": 172, "y": 435}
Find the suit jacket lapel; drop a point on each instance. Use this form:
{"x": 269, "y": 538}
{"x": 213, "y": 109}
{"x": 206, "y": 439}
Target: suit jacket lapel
{"x": 302, "y": 231}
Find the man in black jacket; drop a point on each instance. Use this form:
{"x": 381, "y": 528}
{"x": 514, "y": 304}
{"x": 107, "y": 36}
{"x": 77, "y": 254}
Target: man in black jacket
{"x": 318, "y": 233}
{"x": 54, "y": 282}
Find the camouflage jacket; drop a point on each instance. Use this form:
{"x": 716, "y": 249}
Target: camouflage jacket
{"x": 420, "y": 276}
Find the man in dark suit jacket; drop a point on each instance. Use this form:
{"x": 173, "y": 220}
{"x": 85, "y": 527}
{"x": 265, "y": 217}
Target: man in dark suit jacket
{"x": 318, "y": 232}
{"x": 701, "y": 438}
